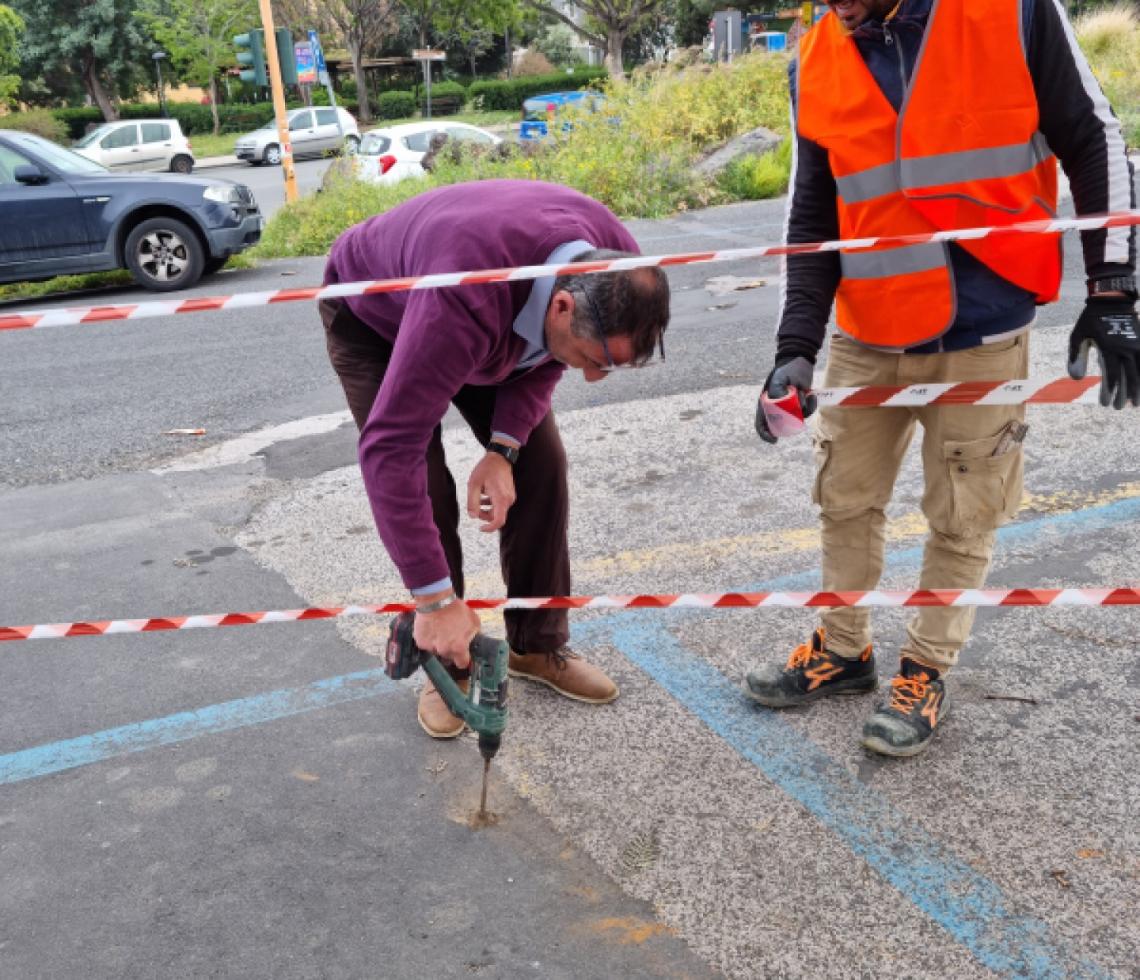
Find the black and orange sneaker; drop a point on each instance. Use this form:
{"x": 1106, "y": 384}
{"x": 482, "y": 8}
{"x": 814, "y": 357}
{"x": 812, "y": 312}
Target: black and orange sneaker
{"x": 905, "y": 724}
{"x": 812, "y": 672}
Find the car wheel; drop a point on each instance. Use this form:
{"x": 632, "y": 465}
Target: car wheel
{"x": 272, "y": 154}
{"x": 163, "y": 254}
{"x": 213, "y": 265}
{"x": 181, "y": 164}
{"x": 351, "y": 145}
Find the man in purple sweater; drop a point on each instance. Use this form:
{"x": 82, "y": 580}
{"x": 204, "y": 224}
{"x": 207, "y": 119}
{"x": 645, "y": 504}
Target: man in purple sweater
{"x": 495, "y": 352}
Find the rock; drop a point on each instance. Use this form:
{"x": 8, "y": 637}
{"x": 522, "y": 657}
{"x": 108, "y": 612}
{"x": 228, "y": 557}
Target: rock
{"x": 755, "y": 143}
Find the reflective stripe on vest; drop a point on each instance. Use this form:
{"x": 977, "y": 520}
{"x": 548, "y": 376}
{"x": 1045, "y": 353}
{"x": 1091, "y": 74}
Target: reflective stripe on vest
{"x": 878, "y": 264}
{"x": 942, "y": 168}
{"x": 964, "y": 152}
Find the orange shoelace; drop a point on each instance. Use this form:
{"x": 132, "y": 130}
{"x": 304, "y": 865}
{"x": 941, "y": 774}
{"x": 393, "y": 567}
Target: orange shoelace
{"x": 803, "y": 655}
{"x": 908, "y": 691}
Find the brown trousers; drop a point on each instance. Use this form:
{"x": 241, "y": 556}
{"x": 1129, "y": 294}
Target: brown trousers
{"x": 969, "y": 491}
{"x": 533, "y": 547}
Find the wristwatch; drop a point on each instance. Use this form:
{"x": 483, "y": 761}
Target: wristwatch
{"x": 509, "y": 453}
{"x": 1113, "y": 284}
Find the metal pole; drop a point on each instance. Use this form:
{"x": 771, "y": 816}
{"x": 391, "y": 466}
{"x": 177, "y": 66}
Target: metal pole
{"x": 427, "y": 88}
{"x": 274, "y": 67}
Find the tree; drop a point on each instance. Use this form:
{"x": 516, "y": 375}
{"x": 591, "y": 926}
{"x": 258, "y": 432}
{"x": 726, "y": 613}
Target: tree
{"x": 198, "y": 35}
{"x": 614, "y": 19}
{"x": 470, "y": 25}
{"x": 11, "y": 31}
{"x": 101, "y": 41}
{"x": 362, "y": 23}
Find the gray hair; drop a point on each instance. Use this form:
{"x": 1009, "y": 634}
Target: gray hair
{"x": 630, "y": 303}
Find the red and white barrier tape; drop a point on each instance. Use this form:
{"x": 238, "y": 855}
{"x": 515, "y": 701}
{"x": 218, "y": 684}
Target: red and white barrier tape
{"x": 1060, "y": 391}
{"x": 137, "y": 311}
{"x": 724, "y": 600}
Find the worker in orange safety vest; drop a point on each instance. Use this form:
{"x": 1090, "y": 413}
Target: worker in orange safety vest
{"x": 916, "y": 116}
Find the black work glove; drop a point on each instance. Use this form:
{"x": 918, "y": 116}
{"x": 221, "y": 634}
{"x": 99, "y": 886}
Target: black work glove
{"x": 791, "y": 372}
{"x": 1109, "y": 324}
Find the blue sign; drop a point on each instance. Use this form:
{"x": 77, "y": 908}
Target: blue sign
{"x": 318, "y": 54}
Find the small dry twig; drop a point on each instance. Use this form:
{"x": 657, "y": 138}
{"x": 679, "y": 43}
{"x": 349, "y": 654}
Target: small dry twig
{"x": 1009, "y": 697}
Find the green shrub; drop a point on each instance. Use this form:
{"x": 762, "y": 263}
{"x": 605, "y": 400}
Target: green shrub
{"x": 447, "y": 98}
{"x": 38, "y": 121}
{"x": 511, "y": 94}
{"x": 756, "y": 178}
{"x": 309, "y": 226}
{"x": 395, "y": 105}
{"x": 636, "y": 154}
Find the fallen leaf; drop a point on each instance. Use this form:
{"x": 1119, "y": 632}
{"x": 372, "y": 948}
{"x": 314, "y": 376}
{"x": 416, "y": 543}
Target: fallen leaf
{"x": 1061, "y": 876}
{"x": 1088, "y": 852}
{"x": 719, "y": 285}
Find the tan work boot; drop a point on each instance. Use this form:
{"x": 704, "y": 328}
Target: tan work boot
{"x": 566, "y": 673}
{"x": 434, "y": 716}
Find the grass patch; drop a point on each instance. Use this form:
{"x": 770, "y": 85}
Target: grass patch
{"x": 1110, "y": 39}
{"x": 63, "y": 284}
{"x": 757, "y": 178}
{"x": 29, "y": 291}
{"x": 208, "y": 145}
{"x": 636, "y": 154}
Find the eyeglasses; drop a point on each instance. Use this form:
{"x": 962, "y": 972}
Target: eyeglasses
{"x": 598, "y": 329}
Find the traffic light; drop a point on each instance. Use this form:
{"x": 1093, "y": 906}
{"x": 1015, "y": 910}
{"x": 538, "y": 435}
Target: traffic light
{"x": 286, "y": 57}
{"x": 251, "y": 54}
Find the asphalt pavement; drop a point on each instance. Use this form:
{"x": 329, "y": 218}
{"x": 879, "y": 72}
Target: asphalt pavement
{"x": 260, "y": 802}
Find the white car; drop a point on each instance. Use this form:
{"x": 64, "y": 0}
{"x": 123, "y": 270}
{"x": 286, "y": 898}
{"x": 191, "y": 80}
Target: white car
{"x": 312, "y": 132}
{"x": 389, "y": 155}
{"x": 138, "y": 144}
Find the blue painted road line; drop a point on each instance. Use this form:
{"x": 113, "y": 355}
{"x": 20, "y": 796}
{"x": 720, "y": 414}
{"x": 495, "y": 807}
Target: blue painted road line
{"x": 967, "y": 904}
{"x": 70, "y": 753}
{"x": 970, "y": 907}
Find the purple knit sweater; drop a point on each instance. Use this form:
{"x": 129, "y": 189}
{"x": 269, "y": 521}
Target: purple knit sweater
{"x": 447, "y": 338}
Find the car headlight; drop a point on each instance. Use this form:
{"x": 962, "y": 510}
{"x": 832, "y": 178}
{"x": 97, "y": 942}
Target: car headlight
{"x": 222, "y": 193}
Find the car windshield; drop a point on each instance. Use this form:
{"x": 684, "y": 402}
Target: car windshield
{"x": 63, "y": 160}
{"x": 96, "y": 134}
{"x": 374, "y": 144}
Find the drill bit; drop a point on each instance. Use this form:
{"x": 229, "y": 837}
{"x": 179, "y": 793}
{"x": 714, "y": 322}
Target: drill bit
{"x": 483, "y": 798}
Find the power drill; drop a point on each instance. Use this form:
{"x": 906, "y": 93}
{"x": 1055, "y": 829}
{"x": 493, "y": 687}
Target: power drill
{"x": 483, "y": 707}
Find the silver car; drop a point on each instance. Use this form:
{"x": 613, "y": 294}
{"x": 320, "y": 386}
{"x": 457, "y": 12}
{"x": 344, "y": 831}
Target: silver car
{"x": 312, "y": 132}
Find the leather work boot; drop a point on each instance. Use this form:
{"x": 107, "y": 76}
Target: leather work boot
{"x": 433, "y": 713}
{"x": 565, "y": 672}
{"x": 812, "y": 672}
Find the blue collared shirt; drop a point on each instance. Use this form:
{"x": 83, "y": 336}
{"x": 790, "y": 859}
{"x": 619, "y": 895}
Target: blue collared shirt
{"x": 531, "y": 322}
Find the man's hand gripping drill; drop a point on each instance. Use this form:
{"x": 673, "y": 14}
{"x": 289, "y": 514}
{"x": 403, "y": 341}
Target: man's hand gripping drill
{"x": 483, "y": 707}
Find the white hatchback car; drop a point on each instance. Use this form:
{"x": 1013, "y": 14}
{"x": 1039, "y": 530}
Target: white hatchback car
{"x": 312, "y": 132}
{"x": 389, "y": 155}
{"x": 138, "y": 144}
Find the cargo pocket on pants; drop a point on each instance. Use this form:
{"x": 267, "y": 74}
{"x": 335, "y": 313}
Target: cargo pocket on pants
{"x": 985, "y": 489}
{"x": 821, "y": 446}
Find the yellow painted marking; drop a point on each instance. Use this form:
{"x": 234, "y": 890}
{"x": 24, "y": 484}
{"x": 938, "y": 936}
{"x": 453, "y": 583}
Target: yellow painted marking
{"x": 631, "y": 931}
{"x": 787, "y": 540}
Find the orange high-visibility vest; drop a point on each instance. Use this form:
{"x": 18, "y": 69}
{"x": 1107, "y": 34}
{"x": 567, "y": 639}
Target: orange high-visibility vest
{"x": 963, "y": 152}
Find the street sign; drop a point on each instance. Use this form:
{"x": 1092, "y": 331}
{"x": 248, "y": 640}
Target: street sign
{"x": 306, "y": 63}
{"x": 318, "y": 53}
{"x": 427, "y": 54}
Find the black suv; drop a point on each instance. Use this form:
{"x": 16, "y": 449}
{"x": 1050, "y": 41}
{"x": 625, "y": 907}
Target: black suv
{"x": 61, "y": 213}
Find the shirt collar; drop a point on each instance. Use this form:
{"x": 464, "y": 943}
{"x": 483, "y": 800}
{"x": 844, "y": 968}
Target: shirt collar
{"x": 531, "y": 321}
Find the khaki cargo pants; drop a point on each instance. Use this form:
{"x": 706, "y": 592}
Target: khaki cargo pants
{"x": 969, "y": 492}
